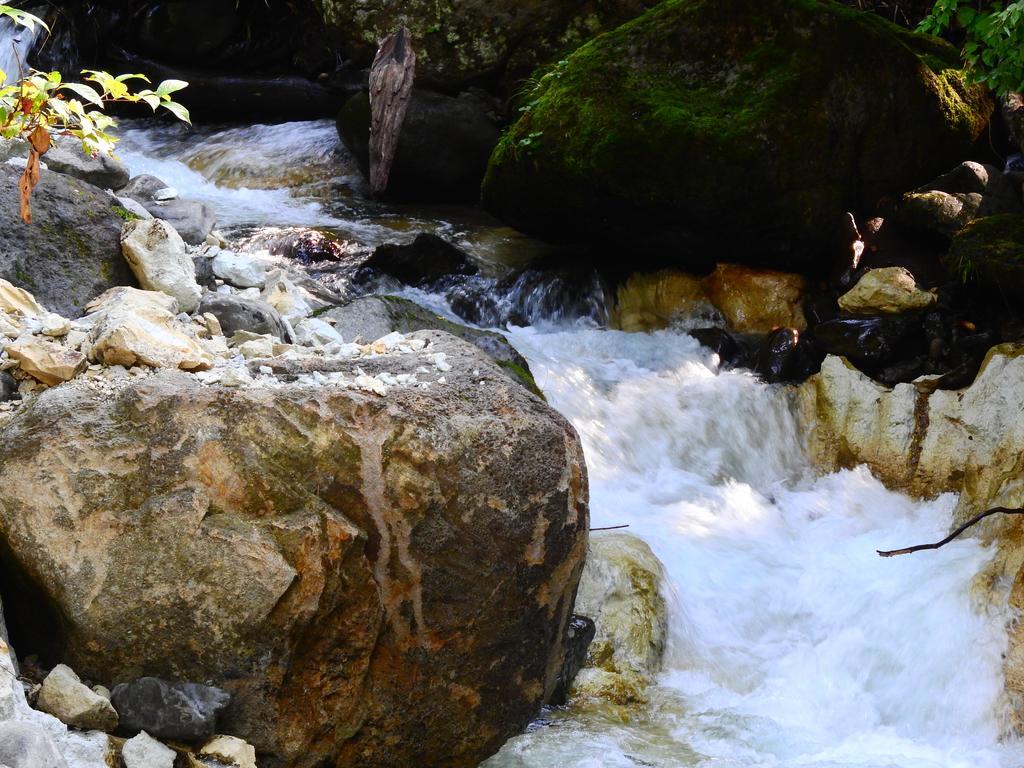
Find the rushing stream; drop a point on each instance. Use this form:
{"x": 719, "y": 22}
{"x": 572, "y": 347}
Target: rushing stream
{"x": 792, "y": 642}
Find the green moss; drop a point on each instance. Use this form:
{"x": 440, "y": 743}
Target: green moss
{"x": 989, "y": 254}
{"x": 125, "y": 214}
{"x": 715, "y": 113}
{"x": 524, "y": 376}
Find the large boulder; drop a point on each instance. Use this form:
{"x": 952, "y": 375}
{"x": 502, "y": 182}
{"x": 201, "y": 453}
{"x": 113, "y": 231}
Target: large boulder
{"x": 443, "y": 146}
{"x": 475, "y": 39}
{"x": 733, "y": 127}
{"x": 72, "y": 250}
{"x": 376, "y": 579}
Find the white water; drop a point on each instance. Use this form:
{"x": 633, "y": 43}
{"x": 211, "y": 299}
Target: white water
{"x": 792, "y": 642}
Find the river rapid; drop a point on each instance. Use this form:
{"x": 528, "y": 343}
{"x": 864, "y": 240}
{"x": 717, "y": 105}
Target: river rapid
{"x": 791, "y": 642}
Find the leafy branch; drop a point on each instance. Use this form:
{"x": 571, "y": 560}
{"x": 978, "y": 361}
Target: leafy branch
{"x": 40, "y": 105}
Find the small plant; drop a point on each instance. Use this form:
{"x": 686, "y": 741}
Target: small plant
{"x": 994, "y": 44}
{"x": 40, "y": 105}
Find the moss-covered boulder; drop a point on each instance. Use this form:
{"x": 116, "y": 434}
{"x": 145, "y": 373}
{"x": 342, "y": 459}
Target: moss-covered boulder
{"x": 741, "y": 128}
{"x": 989, "y": 253}
{"x": 462, "y": 41}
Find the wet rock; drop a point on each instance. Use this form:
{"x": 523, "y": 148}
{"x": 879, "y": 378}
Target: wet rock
{"x": 719, "y": 341}
{"x": 442, "y": 149}
{"x": 27, "y": 745}
{"x": 72, "y": 250}
{"x": 427, "y": 259}
{"x": 722, "y": 124}
{"x": 230, "y": 750}
{"x": 255, "y": 522}
{"x": 372, "y": 317}
{"x": 871, "y": 342}
{"x": 134, "y": 327}
{"x": 235, "y": 313}
{"x": 158, "y": 257}
{"x": 65, "y": 697}
{"x": 143, "y": 751}
{"x": 308, "y": 246}
{"x": 890, "y": 290}
{"x": 648, "y": 302}
{"x": 240, "y": 270}
{"x": 178, "y": 711}
{"x": 193, "y": 220}
{"x": 621, "y": 591}
{"x": 579, "y": 635}
{"x": 46, "y": 361}
{"x": 777, "y": 358}
{"x": 757, "y": 300}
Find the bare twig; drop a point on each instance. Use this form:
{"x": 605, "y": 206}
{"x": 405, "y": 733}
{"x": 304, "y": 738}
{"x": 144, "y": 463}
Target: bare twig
{"x": 610, "y": 528}
{"x": 973, "y": 521}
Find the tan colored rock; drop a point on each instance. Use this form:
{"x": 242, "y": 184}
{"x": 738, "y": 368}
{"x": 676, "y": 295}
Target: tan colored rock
{"x": 650, "y": 302}
{"x": 886, "y": 291}
{"x": 64, "y": 696}
{"x": 339, "y": 562}
{"x": 46, "y": 361}
{"x": 18, "y": 301}
{"x": 230, "y": 750}
{"x": 621, "y": 591}
{"x": 159, "y": 259}
{"x": 136, "y": 327}
{"x": 757, "y": 300}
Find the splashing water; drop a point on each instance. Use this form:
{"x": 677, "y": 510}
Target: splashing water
{"x": 792, "y": 643}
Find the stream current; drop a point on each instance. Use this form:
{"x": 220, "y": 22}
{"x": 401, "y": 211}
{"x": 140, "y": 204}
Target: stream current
{"x": 791, "y": 642}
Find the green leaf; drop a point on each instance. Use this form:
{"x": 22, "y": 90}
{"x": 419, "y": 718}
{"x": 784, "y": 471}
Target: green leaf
{"x": 85, "y": 91}
{"x": 167, "y": 87}
{"x": 178, "y": 110}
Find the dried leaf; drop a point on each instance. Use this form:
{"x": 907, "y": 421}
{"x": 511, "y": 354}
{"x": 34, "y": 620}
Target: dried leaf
{"x": 40, "y": 141}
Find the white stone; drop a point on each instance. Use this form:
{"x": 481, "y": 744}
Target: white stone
{"x": 240, "y": 270}
{"x": 235, "y": 377}
{"x": 143, "y": 751}
{"x": 136, "y": 327}
{"x": 291, "y": 301}
{"x": 159, "y": 259}
{"x": 230, "y": 750}
{"x": 313, "y": 332}
{"x": 888, "y": 290}
{"x": 65, "y": 697}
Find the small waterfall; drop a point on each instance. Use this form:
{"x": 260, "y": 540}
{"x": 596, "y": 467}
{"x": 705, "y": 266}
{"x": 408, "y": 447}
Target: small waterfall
{"x": 16, "y": 43}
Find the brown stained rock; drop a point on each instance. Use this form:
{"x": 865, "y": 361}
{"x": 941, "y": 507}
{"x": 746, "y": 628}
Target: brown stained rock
{"x": 47, "y": 362}
{"x": 378, "y": 581}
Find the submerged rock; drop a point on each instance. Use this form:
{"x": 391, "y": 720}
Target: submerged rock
{"x": 697, "y": 125}
{"x": 379, "y": 576}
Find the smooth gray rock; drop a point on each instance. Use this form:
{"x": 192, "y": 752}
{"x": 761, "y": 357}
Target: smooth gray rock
{"x": 67, "y": 156}
{"x": 26, "y": 745}
{"x": 193, "y": 219}
{"x": 71, "y": 252}
{"x": 177, "y": 711}
{"x": 238, "y": 314}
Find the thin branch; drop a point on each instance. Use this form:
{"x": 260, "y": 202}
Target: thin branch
{"x": 973, "y": 521}
{"x": 610, "y": 528}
